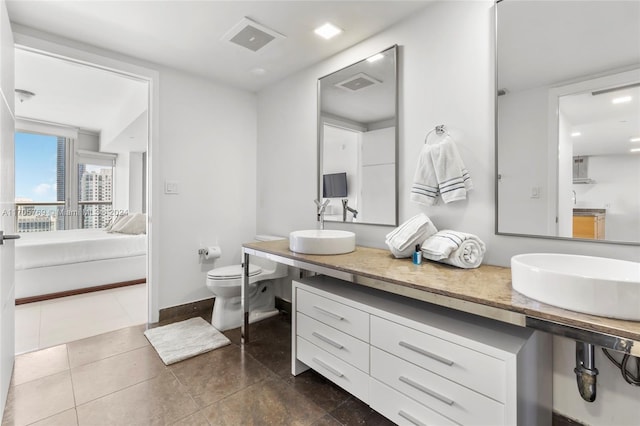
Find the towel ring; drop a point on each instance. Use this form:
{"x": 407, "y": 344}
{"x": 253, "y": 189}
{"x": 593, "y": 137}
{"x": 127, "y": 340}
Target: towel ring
{"x": 440, "y": 130}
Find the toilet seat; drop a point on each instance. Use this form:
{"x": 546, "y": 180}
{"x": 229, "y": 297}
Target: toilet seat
{"x": 232, "y": 272}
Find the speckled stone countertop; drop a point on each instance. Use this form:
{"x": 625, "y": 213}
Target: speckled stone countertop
{"x": 487, "y": 285}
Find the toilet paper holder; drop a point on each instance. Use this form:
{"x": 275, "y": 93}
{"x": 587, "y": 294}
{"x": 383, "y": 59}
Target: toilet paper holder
{"x": 212, "y": 252}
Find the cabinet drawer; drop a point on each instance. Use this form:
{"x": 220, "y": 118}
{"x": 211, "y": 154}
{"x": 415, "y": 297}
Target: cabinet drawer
{"x": 401, "y": 409}
{"x": 465, "y": 366}
{"x": 340, "y": 316}
{"x": 339, "y": 372}
{"x": 345, "y": 347}
{"x": 436, "y": 392}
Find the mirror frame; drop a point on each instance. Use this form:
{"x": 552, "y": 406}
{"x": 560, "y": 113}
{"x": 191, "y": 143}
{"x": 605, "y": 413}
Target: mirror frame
{"x": 496, "y": 165}
{"x": 320, "y": 142}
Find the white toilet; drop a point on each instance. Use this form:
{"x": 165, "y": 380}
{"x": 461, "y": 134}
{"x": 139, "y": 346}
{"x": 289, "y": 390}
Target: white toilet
{"x": 226, "y": 282}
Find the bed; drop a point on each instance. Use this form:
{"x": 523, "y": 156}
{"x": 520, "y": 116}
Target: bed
{"x": 52, "y": 264}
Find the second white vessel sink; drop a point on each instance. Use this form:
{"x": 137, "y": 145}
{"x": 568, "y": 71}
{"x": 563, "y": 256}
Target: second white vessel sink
{"x": 587, "y": 284}
{"x": 322, "y": 241}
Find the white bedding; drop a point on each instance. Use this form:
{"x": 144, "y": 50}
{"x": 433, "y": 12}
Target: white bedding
{"x": 40, "y": 249}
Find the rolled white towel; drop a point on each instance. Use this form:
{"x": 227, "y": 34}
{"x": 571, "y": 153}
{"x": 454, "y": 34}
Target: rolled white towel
{"x": 402, "y": 240}
{"x": 454, "y": 248}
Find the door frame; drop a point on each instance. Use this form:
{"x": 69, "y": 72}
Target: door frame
{"x": 28, "y": 39}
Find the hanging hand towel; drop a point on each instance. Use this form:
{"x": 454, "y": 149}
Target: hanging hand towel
{"x": 402, "y": 240}
{"x": 425, "y": 183}
{"x": 453, "y": 178}
{"x": 454, "y": 248}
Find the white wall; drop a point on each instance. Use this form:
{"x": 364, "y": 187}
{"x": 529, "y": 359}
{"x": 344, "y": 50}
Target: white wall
{"x": 208, "y": 148}
{"x": 446, "y": 77}
{"x": 523, "y": 141}
{"x": 377, "y": 197}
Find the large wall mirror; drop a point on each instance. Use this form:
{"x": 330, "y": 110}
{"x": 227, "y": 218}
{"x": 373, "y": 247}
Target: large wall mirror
{"x": 568, "y": 119}
{"x": 358, "y": 141}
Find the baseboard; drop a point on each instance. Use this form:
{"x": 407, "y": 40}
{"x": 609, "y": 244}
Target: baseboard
{"x": 188, "y": 310}
{"x": 57, "y": 295}
{"x": 561, "y": 420}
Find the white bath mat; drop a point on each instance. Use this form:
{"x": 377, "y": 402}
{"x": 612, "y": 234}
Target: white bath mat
{"x": 185, "y": 339}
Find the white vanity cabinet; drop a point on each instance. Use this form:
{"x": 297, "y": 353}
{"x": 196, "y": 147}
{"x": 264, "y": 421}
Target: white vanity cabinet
{"x": 417, "y": 363}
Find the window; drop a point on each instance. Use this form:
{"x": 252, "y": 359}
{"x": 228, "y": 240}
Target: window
{"x": 50, "y": 195}
{"x": 95, "y": 194}
{"x": 39, "y": 182}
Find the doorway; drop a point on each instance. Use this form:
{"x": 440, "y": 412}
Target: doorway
{"x": 81, "y": 266}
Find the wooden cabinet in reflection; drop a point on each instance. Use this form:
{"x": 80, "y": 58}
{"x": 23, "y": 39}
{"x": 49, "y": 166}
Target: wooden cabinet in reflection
{"x": 590, "y": 226}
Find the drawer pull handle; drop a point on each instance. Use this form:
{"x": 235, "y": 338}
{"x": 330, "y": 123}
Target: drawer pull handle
{"x": 410, "y": 418}
{"x": 331, "y": 314}
{"x": 426, "y": 390}
{"x": 328, "y": 367}
{"x": 426, "y": 353}
{"x": 327, "y": 340}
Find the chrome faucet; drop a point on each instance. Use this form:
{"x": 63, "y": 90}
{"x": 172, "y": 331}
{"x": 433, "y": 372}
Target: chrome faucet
{"x": 321, "y": 208}
{"x": 346, "y": 208}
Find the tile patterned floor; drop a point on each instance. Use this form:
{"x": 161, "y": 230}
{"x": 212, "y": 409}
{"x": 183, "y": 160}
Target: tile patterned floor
{"x": 49, "y": 323}
{"x": 118, "y": 379}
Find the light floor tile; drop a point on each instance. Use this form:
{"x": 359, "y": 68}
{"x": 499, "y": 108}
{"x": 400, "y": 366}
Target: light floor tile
{"x": 59, "y": 332}
{"x": 38, "y": 399}
{"x": 66, "y": 418}
{"x": 53, "y": 322}
{"x": 39, "y": 364}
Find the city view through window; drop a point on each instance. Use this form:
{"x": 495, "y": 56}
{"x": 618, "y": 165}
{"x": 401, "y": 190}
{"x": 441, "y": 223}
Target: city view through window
{"x": 41, "y": 187}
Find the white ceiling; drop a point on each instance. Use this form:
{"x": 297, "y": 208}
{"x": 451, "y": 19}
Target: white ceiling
{"x": 77, "y": 95}
{"x": 187, "y": 35}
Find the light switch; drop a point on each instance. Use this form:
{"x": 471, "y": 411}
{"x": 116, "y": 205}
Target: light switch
{"x": 170, "y": 187}
{"x": 535, "y": 192}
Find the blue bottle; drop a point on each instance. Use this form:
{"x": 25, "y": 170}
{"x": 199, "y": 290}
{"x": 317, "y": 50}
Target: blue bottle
{"x": 417, "y": 255}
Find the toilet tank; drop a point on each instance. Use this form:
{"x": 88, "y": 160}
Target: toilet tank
{"x": 279, "y": 270}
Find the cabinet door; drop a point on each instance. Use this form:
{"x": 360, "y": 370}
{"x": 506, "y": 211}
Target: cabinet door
{"x": 584, "y": 227}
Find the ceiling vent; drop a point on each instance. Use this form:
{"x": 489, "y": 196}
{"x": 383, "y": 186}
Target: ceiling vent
{"x": 250, "y": 34}
{"x": 358, "y": 82}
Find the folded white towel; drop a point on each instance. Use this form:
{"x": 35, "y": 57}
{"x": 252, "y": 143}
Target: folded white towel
{"x": 454, "y": 248}
{"x": 440, "y": 171}
{"x": 402, "y": 240}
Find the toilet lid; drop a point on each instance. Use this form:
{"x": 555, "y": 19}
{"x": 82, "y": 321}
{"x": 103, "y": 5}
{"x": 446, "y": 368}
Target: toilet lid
{"x": 232, "y": 272}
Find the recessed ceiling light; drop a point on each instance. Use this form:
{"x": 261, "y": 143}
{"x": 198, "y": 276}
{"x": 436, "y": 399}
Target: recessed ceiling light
{"x": 328, "y": 31}
{"x": 621, "y": 100}
{"x": 576, "y": 134}
{"x": 634, "y": 140}
{"x": 634, "y": 150}
{"x": 375, "y": 57}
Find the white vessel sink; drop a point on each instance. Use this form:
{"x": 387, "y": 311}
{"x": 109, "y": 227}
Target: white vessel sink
{"x": 322, "y": 241}
{"x": 591, "y": 285}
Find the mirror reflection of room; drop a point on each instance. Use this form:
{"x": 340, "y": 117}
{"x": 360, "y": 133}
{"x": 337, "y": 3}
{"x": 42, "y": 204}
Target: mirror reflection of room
{"x": 357, "y": 139}
{"x": 568, "y": 120}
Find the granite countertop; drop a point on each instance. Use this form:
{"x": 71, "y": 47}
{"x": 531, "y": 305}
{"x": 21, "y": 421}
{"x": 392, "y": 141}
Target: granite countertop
{"x": 589, "y": 212}
{"x": 487, "y": 285}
